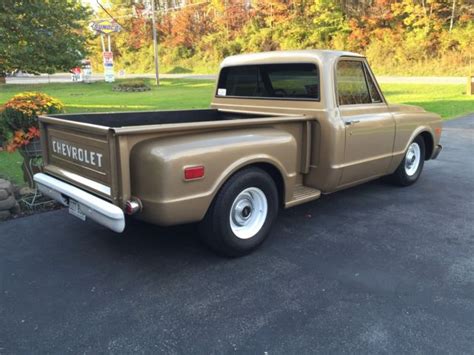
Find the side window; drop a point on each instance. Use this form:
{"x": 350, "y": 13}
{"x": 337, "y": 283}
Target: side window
{"x": 352, "y": 88}
{"x": 374, "y": 93}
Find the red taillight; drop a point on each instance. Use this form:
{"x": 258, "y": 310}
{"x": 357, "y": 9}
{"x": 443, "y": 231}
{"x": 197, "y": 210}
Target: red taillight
{"x": 193, "y": 172}
{"x": 438, "y": 131}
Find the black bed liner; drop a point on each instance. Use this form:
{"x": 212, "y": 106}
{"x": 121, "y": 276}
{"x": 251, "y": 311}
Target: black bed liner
{"x": 124, "y": 119}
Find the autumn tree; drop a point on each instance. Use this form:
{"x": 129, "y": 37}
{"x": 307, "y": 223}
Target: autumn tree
{"x": 41, "y": 36}
{"x": 432, "y": 37}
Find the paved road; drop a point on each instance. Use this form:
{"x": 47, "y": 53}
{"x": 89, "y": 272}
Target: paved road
{"x": 66, "y": 78}
{"x": 374, "y": 269}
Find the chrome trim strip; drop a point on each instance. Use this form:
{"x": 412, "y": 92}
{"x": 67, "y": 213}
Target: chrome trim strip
{"x": 95, "y": 208}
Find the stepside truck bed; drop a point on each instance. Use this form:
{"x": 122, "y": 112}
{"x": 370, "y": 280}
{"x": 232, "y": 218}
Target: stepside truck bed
{"x": 91, "y": 153}
{"x": 88, "y": 151}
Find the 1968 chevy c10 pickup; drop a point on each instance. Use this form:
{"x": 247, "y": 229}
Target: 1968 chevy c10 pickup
{"x": 283, "y": 128}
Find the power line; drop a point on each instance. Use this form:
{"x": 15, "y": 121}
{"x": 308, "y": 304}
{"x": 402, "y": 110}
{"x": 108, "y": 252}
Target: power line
{"x": 105, "y": 10}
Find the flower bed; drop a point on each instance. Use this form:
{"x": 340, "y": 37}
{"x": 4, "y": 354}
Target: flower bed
{"x": 131, "y": 86}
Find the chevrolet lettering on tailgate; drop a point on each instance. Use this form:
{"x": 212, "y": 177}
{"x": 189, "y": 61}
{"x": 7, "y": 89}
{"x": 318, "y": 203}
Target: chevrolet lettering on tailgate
{"x": 73, "y": 152}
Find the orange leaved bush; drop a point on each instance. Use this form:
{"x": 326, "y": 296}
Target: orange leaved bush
{"x": 22, "y": 138}
{"x": 19, "y": 118}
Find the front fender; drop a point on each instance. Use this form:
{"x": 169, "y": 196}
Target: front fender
{"x": 157, "y": 169}
{"x": 409, "y": 124}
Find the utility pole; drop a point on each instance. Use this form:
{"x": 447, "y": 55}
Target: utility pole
{"x": 452, "y": 16}
{"x": 155, "y": 44}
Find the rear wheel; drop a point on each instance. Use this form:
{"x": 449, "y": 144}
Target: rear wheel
{"x": 411, "y": 166}
{"x": 242, "y": 213}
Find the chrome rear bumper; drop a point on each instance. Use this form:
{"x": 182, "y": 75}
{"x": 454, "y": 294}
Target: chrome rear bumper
{"x": 93, "y": 207}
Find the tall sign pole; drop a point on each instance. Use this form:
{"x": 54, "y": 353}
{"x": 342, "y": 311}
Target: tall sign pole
{"x": 105, "y": 27}
{"x": 155, "y": 44}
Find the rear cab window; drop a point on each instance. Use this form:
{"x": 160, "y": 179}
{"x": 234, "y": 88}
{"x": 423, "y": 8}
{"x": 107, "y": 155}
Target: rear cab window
{"x": 355, "y": 85}
{"x": 295, "y": 81}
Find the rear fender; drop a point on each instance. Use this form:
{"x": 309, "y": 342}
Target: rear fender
{"x": 157, "y": 169}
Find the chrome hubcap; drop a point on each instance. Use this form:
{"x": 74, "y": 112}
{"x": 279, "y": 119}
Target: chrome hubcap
{"x": 412, "y": 159}
{"x": 248, "y": 213}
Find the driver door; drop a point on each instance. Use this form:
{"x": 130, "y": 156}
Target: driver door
{"x": 369, "y": 126}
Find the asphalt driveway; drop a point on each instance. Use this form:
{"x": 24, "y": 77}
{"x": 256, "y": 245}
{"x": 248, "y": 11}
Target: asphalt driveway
{"x": 372, "y": 269}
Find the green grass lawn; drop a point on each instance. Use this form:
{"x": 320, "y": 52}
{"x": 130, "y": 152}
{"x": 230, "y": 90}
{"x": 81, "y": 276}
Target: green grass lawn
{"x": 10, "y": 167}
{"x": 99, "y": 97}
{"x": 447, "y": 100}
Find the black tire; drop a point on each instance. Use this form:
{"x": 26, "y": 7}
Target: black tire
{"x": 216, "y": 230}
{"x": 400, "y": 177}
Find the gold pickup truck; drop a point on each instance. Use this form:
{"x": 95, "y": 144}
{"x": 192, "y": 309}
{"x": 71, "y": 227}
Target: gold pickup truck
{"x": 283, "y": 128}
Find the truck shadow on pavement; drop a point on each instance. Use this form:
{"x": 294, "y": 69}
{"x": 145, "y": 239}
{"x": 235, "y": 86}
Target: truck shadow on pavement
{"x": 148, "y": 241}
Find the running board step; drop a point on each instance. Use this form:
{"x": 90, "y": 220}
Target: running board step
{"x": 303, "y": 194}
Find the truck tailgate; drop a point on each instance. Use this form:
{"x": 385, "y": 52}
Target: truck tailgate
{"x": 82, "y": 155}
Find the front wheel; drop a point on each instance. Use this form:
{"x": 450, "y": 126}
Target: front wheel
{"x": 242, "y": 213}
{"x": 411, "y": 166}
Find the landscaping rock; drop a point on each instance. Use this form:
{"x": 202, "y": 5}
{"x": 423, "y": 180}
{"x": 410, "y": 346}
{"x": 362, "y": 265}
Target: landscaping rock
{"x": 6, "y": 185}
{"x": 4, "y": 215}
{"x": 8, "y": 204}
{"x": 4, "y": 195}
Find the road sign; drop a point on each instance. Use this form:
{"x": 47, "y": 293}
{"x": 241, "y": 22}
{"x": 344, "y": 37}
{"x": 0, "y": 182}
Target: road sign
{"x": 105, "y": 26}
{"x": 109, "y": 75}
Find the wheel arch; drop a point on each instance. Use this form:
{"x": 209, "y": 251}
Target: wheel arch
{"x": 427, "y": 135}
{"x": 277, "y": 178}
{"x": 429, "y": 144}
{"x": 270, "y": 168}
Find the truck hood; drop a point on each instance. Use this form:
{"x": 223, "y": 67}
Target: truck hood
{"x": 405, "y": 108}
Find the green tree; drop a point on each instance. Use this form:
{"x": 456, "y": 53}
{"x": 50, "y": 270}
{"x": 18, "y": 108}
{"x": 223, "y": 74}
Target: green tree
{"x": 42, "y": 36}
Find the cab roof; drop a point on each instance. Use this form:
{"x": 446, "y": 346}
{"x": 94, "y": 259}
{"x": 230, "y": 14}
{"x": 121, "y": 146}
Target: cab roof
{"x": 320, "y": 55}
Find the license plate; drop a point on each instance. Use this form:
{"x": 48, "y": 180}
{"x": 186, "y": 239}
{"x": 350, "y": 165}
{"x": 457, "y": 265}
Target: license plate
{"x": 75, "y": 210}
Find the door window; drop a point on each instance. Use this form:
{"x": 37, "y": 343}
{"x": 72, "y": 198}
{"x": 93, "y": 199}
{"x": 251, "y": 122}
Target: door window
{"x": 352, "y": 86}
{"x": 374, "y": 93}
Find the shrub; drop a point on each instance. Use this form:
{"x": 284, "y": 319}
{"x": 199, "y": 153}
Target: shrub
{"x": 19, "y": 119}
{"x": 131, "y": 85}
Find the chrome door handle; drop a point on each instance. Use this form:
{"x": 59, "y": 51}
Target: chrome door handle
{"x": 348, "y": 123}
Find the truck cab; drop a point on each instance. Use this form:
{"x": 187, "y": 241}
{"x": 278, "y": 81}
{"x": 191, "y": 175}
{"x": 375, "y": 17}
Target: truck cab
{"x": 358, "y": 135}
